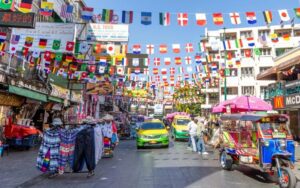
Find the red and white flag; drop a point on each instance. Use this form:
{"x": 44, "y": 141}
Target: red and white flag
{"x": 176, "y": 48}
{"x": 110, "y": 48}
{"x": 182, "y": 19}
{"x": 284, "y": 15}
{"x": 188, "y": 60}
{"x": 235, "y": 18}
{"x": 70, "y": 46}
{"x": 167, "y": 61}
{"x": 189, "y": 47}
{"x": 201, "y": 19}
{"x": 172, "y": 71}
{"x": 163, "y": 48}
{"x": 150, "y": 49}
{"x": 163, "y": 71}
{"x": 156, "y": 61}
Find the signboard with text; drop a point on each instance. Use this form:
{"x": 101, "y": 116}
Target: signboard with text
{"x": 64, "y": 32}
{"x": 107, "y": 32}
{"x": 17, "y": 19}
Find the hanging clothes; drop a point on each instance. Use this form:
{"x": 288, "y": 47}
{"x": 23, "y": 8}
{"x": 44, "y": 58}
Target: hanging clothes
{"x": 48, "y": 155}
{"x": 66, "y": 149}
{"x": 107, "y": 130}
{"x": 98, "y": 143}
{"x": 84, "y": 150}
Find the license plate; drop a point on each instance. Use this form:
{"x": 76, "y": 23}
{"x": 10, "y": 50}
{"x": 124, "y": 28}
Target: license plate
{"x": 246, "y": 159}
{"x": 153, "y": 142}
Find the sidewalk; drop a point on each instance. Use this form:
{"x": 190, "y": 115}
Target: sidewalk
{"x": 18, "y": 167}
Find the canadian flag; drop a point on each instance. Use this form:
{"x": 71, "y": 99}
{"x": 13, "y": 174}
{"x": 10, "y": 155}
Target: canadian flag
{"x": 201, "y": 19}
{"x": 182, "y": 19}
{"x": 167, "y": 61}
{"x": 110, "y": 48}
{"x": 176, "y": 48}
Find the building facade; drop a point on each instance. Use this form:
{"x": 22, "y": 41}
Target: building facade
{"x": 248, "y": 52}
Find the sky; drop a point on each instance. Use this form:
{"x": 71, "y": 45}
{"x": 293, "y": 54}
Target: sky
{"x": 157, "y": 34}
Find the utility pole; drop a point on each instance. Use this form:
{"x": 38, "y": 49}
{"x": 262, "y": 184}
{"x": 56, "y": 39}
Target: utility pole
{"x": 225, "y": 57}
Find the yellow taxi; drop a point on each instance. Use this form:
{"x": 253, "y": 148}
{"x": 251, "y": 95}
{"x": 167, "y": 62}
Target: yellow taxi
{"x": 180, "y": 128}
{"x": 152, "y": 133}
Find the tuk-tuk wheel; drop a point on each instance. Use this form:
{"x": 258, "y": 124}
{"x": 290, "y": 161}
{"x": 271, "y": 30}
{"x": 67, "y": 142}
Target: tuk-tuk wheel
{"x": 288, "y": 179}
{"x": 226, "y": 161}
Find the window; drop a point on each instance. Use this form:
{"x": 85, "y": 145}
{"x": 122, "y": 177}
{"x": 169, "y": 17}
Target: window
{"x": 265, "y": 51}
{"x": 230, "y": 90}
{"x": 263, "y": 91}
{"x": 230, "y": 36}
{"x": 246, "y": 34}
{"x": 280, "y": 51}
{"x": 247, "y": 71}
{"x": 248, "y": 90}
{"x": 233, "y": 72}
{"x": 213, "y": 98}
{"x": 297, "y": 32}
{"x": 264, "y": 32}
{"x": 263, "y": 69}
{"x": 282, "y": 32}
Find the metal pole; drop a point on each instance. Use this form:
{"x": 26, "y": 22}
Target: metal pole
{"x": 225, "y": 57}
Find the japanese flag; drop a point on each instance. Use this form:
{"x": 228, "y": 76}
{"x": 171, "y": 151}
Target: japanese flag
{"x": 284, "y": 15}
{"x": 120, "y": 70}
{"x": 110, "y": 48}
{"x": 13, "y": 48}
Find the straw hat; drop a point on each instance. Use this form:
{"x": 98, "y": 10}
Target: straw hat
{"x": 108, "y": 117}
{"x": 57, "y": 122}
{"x": 89, "y": 119}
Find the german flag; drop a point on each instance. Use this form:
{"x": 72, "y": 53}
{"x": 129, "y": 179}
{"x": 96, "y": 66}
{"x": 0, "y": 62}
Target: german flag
{"x": 268, "y": 16}
{"x": 42, "y": 43}
{"x": 25, "y": 6}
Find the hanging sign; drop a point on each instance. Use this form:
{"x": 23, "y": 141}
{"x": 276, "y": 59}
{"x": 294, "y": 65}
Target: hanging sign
{"x": 107, "y": 32}
{"x": 59, "y": 92}
{"x": 65, "y": 32}
{"x": 17, "y": 19}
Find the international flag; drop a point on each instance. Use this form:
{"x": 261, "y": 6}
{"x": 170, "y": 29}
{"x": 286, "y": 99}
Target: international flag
{"x": 83, "y": 47}
{"x": 172, "y": 71}
{"x": 56, "y": 44}
{"x": 163, "y": 48}
{"x": 103, "y": 61}
{"x": 214, "y": 67}
{"x": 2, "y": 37}
{"x": 218, "y": 19}
{"x": 146, "y": 71}
{"x": 238, "y": 63}
{"x": 146, "y": 62}
{"x": 163, "y": 71}
{"x": 136, "y": 49}
{"x": 150, "y": 49}
{"x": 297, "y": 12}
{"x": 235, "y": 18}
{"x": 186, "y": 76}
{"x": 124, "y": 61}
{"x": 172, "y": 77}
{"x": 107, "y": 15}
{"x": 182, "y": 19}
{"x": 120, "y": 70}
{"x": 177, "y": 60}
{"x": 155, "y": 70}
{"x": 250, "y": 41}
{"x": 189, "y": 47}
{"x": 28, "y": 41}
{"x": 135, "y": 62}
{"x": 7, "y": 5}
{"x": 201, "y": 19}
{"x": 286, "y": 36}
{"x": 15, "y": 39}
{"x": 167, "y": 61}
{"x": 284, "y": 15}
{"x": 268, "y": 16}
{"x": 227, "y": 44}
{"x": 127, "y": 17}
{"x": 13, "y": 48}
{"x": 97, "y": 48}
{"x": 70, "y": 46}
{"x": 156, "y": 61}
{"x": 42, "y": 43}
{"x": 146, "y": 18}
{"x": 137, "y": 70}
{"x": 25, "y": 6}
{"x": 238, "y": 43}
{"x": 251, "y": 17}
{"x": 46, "y": 8}
{"x": 58, "y": 56}
{"x": 202, "y": 46}
{"x": 66, "y": 11}
{"x": 247, "y": 53}
{"x": 180, "y": 70}
{"x": 87, "y": 13}
{"x": 274, "y": 37}
{"x": 110, "y": 48}
{"x": 176, "y": 48}
{"x": 198, "y": 59}
{"x": 25, "y": 51}
{"x": 36, "y": 53}
{"x": 257, "y": 51}
{"x": 188, "y": 60}
{"x": 164, "y": 18}
{"x": 101, "y": 69}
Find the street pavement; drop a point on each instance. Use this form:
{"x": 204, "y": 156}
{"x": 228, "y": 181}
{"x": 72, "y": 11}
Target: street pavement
{"x": 175, "y": 167}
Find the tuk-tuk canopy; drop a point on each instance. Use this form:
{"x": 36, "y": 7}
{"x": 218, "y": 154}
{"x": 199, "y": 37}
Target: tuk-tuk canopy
{"x": 243, "y": 117}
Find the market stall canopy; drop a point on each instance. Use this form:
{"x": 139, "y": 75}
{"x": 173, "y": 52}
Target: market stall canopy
{"x": 243, "y": 104}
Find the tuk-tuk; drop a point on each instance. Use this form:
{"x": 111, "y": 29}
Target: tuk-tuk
{"x": 262, "y": 141}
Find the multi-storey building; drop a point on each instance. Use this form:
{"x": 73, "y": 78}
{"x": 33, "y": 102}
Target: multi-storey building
{"x": 249, "y": 51}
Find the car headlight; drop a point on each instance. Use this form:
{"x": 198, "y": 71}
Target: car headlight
{"x": 266, "y": 143}
{"x": 164, "y": 135}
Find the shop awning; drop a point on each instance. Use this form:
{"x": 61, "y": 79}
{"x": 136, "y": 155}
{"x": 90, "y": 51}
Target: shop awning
{"x": 27, "y": 93}
{"x": 269, "y": 74}
{"x": 55, "y": 99}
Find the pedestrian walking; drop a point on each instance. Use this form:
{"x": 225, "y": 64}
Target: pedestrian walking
{"x": 192, "y": 127}
{"x": 200, "y": 134}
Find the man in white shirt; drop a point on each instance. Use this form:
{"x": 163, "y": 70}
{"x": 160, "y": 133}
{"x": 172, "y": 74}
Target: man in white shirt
{"x": 192, "y": 127}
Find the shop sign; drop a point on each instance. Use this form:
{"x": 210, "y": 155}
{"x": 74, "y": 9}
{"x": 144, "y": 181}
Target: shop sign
{"x": 292, "y": 87}
{"x": 276, "y": 89}
{"x": 17, "y": 19}
{"x": 27, "y": 85}
{"x": 278, "y": 102}
{"x": 107, "y": 32}
{"x": 292, "y": 100}
{"x": 59, "y": 92}
{"x": 64, "y": 32}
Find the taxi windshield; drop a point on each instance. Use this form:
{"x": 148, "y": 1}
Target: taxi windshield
{"x": 182, "y": 121}
{"x": 149, "y": 126}
{"x": 275, "y": 128}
